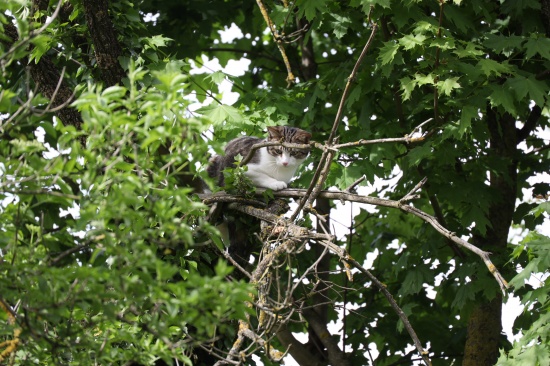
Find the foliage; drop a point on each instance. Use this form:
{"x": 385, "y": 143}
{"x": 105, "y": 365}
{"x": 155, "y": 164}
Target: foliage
{"x": 106, "y": 253}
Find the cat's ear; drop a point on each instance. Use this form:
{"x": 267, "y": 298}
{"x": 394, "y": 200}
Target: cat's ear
{"x": 275, "y": 132}
{"x": 303, "y": 136}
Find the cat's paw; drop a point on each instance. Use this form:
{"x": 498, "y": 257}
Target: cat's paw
{"x": 276, "y": 185}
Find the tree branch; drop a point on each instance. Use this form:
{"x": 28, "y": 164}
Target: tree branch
{"x": 351, "y": 197}
{"x": 319, "y": 179}
{"x": 297, "y": 349}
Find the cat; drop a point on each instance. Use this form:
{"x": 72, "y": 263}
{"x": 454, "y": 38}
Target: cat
{"x": 270, "y": 167}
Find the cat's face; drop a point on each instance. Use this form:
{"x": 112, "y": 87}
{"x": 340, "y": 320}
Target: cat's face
{"x": 288, "y": 157}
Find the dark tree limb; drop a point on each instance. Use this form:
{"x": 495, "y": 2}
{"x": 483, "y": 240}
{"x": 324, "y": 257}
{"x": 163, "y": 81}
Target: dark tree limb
{"x": 545, "y": 15}
{"x": 336, "y": 356}
{"x": 297, "y": 350}
{"x": 47, "y": 78}
{"x": 104, "y": 37}
{"x": 530, "y": 123}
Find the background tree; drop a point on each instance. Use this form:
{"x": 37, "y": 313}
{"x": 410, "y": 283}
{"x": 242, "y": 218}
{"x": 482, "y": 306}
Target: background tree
{"x": 107, "y": 255}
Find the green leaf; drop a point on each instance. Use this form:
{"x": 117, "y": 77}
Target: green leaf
{"x": 412, "y": 284}
{"x": 310, "y": 8}
{"x": 489, "y": 67}
{"x": 419, "y": 153}
{"x": 471, "y": 50}
{"x": 340, "y": 26}
{"x": 407, "y": 85}
{"x": 411, "y": 41}
{"x": 41, "y": 45}
{"x": 464, "y": 294}
{"x": 387, "y": 52}
{"x": 522, "y": 86}
{"x": 540, "y": 45}
{"x": 503, "y": 44}
{"x": 221, "y": 113}
{"x": 540, "y": 209}
{"x": 446, "y": 86}
{"x": 467, "y": 114}
{"x": 502, "y": 97}
{"x": 368, "y": 3}
{"x": 424, "y": 79}
{"x": 217, "y": 77}
{"x": 157, "y": 41}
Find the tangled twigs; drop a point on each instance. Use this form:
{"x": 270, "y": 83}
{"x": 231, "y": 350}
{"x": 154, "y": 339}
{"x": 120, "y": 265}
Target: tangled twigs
{"x": 294, "y": 234}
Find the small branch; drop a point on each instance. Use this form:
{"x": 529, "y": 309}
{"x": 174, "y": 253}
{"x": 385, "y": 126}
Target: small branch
{"x": 235, "y": 264}
{"x": 351, "y": 188}
{"x": 436, "y": 64}
{"x": 395, "y": 307}
{"x": 407, "y": 139}
{"x": 290, "y": 76}
{"x": 351, "y": 79}
{"x": 40, "y": 192}
{"x": 319, "y": 178}
{"x": 411, "y": 195}
{"x": 75, "y": 249}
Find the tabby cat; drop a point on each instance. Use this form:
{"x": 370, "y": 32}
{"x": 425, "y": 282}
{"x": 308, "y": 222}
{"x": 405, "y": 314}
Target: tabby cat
{"x": 270, "y": 167}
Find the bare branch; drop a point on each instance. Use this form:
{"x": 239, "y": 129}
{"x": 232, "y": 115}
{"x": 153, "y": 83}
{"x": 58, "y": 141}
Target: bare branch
{"x": 346, "y": 196}
{"x": 319, "y": 178}
{"x": 278, "y": 40}
{"x": 352, "y": 187}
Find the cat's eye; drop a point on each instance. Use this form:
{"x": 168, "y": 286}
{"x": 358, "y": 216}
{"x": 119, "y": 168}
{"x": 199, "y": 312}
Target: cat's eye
{"x": 298, "y": 154}
{"x": 277, "y": 151}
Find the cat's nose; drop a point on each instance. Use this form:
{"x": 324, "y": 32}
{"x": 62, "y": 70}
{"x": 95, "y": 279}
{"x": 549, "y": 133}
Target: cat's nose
{"x": 285, "y": 163}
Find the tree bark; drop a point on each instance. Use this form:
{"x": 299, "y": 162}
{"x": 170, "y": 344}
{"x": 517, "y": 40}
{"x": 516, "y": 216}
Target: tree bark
{"x": 485, "y": 322}
{"x": 484, "y": 328}
{"x": 47, "y": 77}
{"x": 104, "y": 37}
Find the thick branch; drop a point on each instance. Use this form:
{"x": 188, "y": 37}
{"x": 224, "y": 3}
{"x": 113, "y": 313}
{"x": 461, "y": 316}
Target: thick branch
{"x": 296, "y": 349}
{"x": 336, "y": 356}
{"x": 530, "y": 124}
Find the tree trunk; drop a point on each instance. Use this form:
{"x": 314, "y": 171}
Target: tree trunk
{"x": 106, "y": 46}
{"x": 485, "y": 323}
